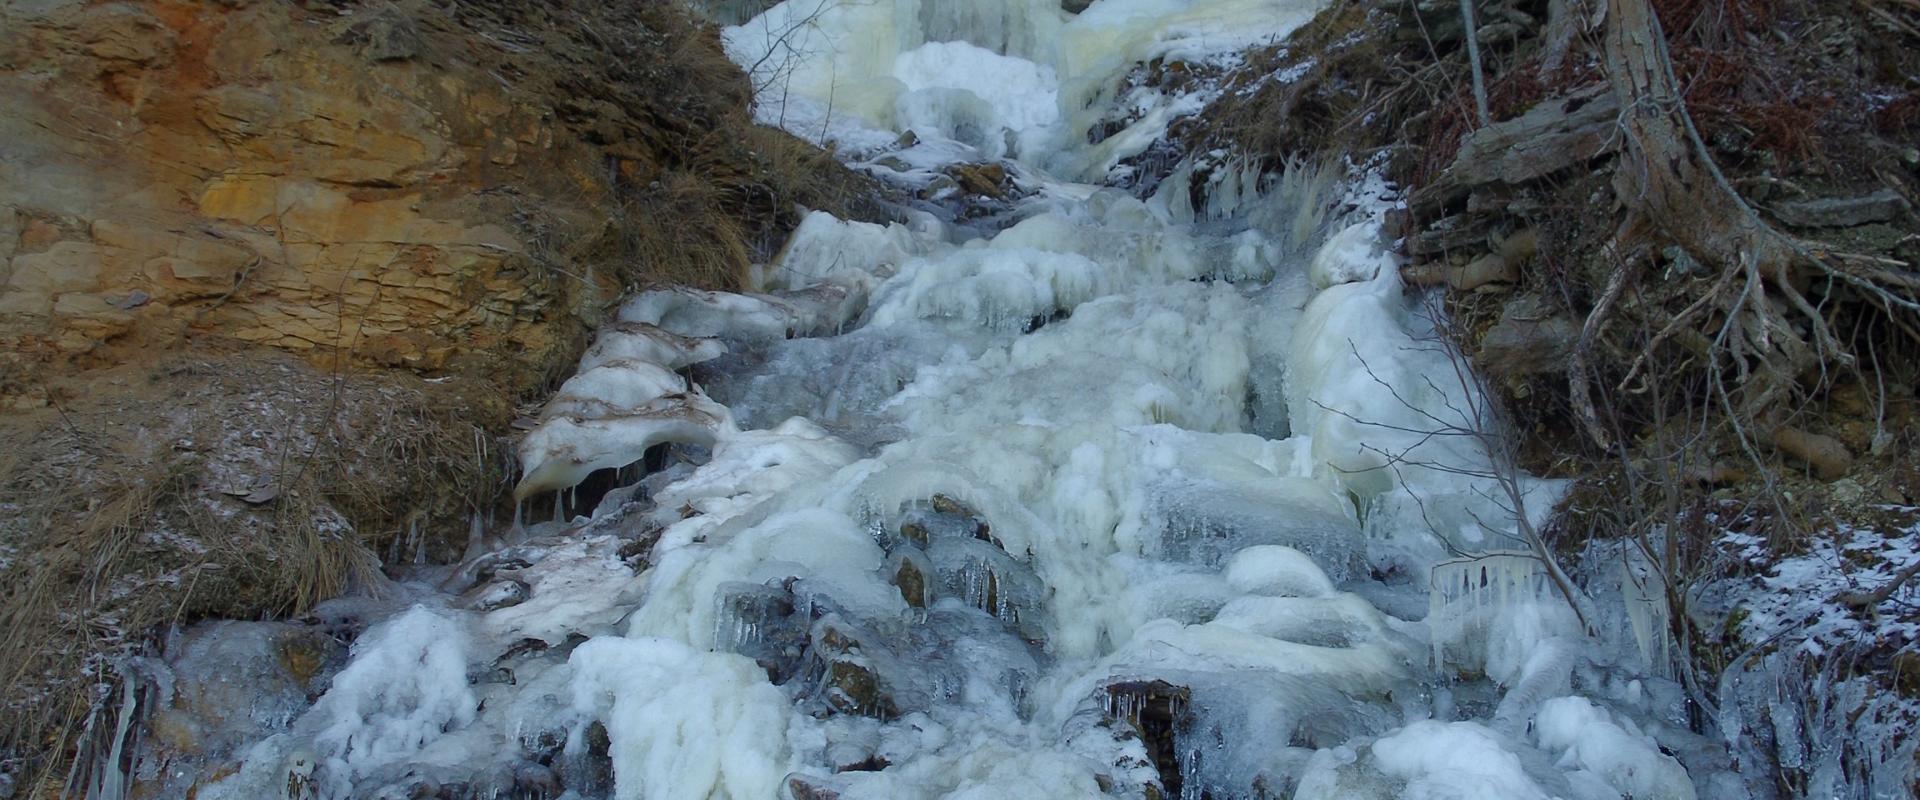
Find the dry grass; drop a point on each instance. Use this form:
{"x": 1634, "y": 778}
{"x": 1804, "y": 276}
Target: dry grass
{"x": 695, "y": 192}
{"x": 212, "y": 487}
{"x": 705, "y": 223}
{"x": 1335, "y": 76}
{"x": 794, "y": 172}
{"x": 678, "y": 230}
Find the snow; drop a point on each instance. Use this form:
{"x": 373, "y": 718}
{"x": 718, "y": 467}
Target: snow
{"x": 1795, "y": 697}
{"x": 684, "y": 723}
{"x": 1449, "y": 760}
{"x": 1588, "y": 739}
{"x": 1801, "y": 593}
{"x": 404, "y": 689}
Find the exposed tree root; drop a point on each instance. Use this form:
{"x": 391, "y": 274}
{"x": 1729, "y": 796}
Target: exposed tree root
{"x": 1767, "y": 337}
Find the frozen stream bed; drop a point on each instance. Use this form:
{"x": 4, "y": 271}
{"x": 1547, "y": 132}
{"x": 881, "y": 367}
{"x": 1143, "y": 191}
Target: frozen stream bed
{"x": 1114, "y": 497}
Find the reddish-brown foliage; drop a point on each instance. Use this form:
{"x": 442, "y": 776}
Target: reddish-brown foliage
{"x": 1714, "y": 19}
{"x": 1900, "y": 117}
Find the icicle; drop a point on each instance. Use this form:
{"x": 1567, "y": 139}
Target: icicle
{"x": 1463, "y": 589}
{"x": 1647, "y": 614}
{"x": 113, "y": 783}
{"x": 104, "y": 778}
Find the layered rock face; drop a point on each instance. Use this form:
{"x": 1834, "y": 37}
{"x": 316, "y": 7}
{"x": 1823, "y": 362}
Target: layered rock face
{"x": 418, "y": 185}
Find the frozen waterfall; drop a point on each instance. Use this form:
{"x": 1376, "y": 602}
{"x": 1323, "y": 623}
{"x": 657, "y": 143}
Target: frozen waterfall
{"x": 1115, "y": 496}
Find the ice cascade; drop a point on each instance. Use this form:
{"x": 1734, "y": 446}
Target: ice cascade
{"x": 1097, "y": 494}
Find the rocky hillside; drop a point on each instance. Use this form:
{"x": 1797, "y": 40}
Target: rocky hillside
{"x": 445, "y": 187}
{"x": 272, "y": 275}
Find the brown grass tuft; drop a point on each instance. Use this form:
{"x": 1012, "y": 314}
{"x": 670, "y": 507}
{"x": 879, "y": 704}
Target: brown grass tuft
{"x": 696, "y": 192}
{"x": 1335, "y": 71}
{"x": 679, "y": 230}
{"x": 235, "y": 487}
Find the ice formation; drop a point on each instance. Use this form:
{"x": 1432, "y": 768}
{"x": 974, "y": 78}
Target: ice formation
{"x": 405, "y": 689}
{"x": 684, "y": 722}
{"x": 1018, "y": 78}
{"x": 1113, "y": 495}
{"x": 1588, "y": 738}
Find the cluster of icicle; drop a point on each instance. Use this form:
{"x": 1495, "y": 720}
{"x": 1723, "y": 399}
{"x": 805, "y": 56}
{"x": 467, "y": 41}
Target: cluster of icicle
{"x": 1465, "y": 590}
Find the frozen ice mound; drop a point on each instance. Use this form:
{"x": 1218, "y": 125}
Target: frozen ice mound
{"x": 1234, "y": 734}
{"x": 566, "y": 588}
{"x": 749, "y": 466}
{"x": 974, "y": 95}
{"x": 643, "y": 343}
{"x": 818, "y": 379}
{"x": 1489, "y": 612}
{"x": 613, "y": 388}
{"x": 1336, "y": 621}
{"x": 1352, "y": 256}
{"x": 1039, "y": 74}
{"x": 628, "y": 397}
{"x": 980, "y": 575}
{"x": 1590, "y": 740}
{"x": 809, "y": 311}
{"x": 826, "y": 248}
{"x": 1207, "y": 522}
{"x": 998, "y": 288}
{"x": 1277, "y": 571}
{"x": 1458, "y": 759}
{"x": 682, "y": 723}
{"x": 565, "y": 449}
{"x": 405, "y": 687}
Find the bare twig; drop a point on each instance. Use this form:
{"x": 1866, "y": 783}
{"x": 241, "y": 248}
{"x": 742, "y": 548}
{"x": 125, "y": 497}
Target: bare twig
{"x": 1874, "y": 598}
{"x": 1473, "y": 63}
{"x": 1481, "y": 422}
{"x": 1578, "y": 381}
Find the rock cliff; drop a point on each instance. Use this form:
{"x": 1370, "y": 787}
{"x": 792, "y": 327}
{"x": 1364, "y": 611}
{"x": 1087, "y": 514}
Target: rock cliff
{"x": 439, "y": 186}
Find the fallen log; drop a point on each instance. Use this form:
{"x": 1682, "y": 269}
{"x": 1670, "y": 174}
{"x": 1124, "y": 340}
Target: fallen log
{"x": 1554, "y": 135}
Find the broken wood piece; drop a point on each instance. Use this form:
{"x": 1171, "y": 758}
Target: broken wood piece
{"x": 1829, "y": 458}
{"x": 1840, "y": 212}
{"x": 1551, "y": 136}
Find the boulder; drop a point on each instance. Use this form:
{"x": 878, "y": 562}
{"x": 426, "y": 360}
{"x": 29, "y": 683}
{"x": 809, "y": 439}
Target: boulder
{"x": 1530, "y": 338}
